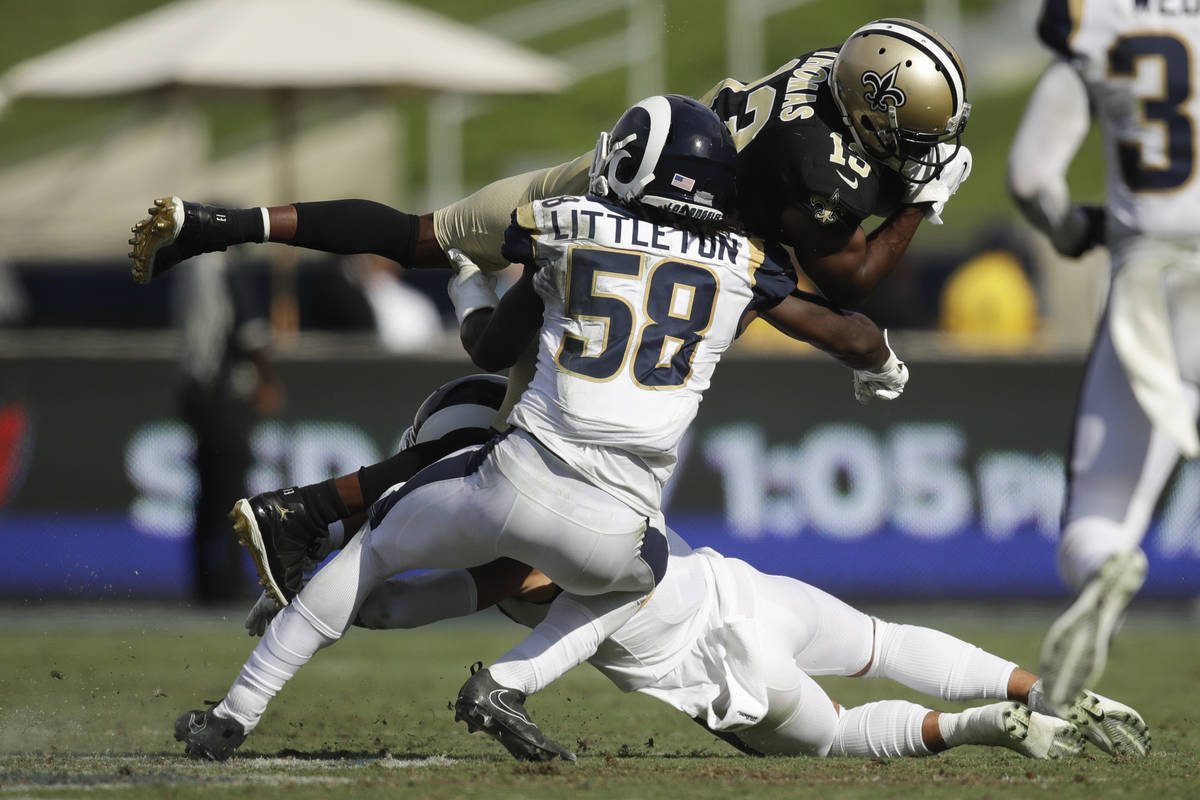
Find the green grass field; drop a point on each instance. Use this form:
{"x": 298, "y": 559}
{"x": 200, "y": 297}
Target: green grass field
{"x": 88, "y": 697}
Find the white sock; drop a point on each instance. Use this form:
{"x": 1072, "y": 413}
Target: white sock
{"x": 289, "y": 642}
{"x": 938, "y": 664}
{"x": 979, "y": 725}
{"x": 569, "y": 635}
{"x": 884, "y": 729}
{"x": 410, "y": 601}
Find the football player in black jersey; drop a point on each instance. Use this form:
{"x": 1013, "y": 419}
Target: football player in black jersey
{"x": 869, "y": 128}
{"x": 835, "y": 136}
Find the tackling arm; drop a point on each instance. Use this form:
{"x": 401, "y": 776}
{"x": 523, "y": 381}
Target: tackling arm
{"x": 1037, "y": 163}
{"x": 510, "y": 327}
{"x": 847, "y": 269}
{"x": 849, "y": 337}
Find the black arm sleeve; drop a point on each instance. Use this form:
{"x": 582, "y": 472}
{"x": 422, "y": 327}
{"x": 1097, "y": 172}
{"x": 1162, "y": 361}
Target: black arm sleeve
{"x": 356, "y": 226}
{"x": 376, "y": 479}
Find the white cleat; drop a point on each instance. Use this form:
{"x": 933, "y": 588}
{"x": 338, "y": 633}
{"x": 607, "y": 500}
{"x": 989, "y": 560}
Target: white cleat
{"x": 1075, "y": 649}
{"x": 1051, "y": 737}
{"x": 1113, "y": 727}
{"x": 1035, "y": 735}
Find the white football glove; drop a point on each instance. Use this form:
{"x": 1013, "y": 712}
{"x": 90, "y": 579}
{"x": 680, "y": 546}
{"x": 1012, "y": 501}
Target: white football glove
{"x": 470, "y": 289}
{"x": 937, "y": 191}
{"x": 885, "y": 382}
{"x": 261, "y": 614}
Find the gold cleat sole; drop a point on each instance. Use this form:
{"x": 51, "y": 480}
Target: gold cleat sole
{"x": 154, "y": 232}
{"x": 250, "y": 537}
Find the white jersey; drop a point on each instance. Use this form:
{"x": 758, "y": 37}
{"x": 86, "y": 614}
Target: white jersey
{"x": 636, "y": 317}
{"x": 717, "y": 635}
{"x": 1140, "y": 61}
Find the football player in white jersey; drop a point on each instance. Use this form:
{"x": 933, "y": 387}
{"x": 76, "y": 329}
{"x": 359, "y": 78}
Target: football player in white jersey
{"x": 636, "y": 295}
{"x": 1133, "y": 66}
{"x": 868, "y": 127}
{"x": 735, "y": 649}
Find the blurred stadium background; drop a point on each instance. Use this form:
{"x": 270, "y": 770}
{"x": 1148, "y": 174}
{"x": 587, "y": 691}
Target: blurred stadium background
{"x": 952, "y": 492}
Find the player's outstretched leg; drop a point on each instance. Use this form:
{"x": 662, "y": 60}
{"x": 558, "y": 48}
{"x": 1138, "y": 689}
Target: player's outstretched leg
{"x": 207, "y": 736}
{"x": 281, "y": 536}
{"x": 500, "y": 713}
{"x": 1114, "y": 727}
{"x": 1075, "y": 649}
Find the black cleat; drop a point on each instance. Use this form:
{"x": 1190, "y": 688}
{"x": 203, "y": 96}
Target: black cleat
{"x": 282, "y": 538}
{"x": 175, "y": 231}
{"x": 207, "y": 736}
{"x": 500, "y": 713}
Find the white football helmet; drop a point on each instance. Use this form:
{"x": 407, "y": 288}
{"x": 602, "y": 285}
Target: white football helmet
{"x": 901, "y": 90}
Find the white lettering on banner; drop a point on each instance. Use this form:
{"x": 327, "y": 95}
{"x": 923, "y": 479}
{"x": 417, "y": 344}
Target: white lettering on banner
{"x": 1019, "y": 488}
{"x": 784, "y": 516}
{"x": 158, "y": 462}
{"x": 934, "y": 499}
{"x": 844, "y": 482}
{"x": 736, "y": 452}
{"x": 328, "y": 449}
{"x": 269, "y": 451}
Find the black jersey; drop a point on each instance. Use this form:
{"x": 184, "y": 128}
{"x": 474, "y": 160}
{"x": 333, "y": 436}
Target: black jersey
{"x": 793, "y": 150}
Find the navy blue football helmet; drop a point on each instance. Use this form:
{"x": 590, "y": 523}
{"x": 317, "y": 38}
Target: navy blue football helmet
{"x": 670, "y": 152}
{"x": 468, "y": 402}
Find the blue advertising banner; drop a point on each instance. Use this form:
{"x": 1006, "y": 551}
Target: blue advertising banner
{"x": 953, "y": 491}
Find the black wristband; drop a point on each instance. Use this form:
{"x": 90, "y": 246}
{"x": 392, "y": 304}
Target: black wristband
{"x": 238, "y": 225}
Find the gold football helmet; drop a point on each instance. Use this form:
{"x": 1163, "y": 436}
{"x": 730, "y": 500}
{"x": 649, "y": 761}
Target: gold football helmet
{"x": 902, "y": 91}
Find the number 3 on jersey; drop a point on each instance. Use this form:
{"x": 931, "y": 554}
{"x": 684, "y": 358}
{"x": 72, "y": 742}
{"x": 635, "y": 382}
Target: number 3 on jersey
{"x": 1164, "y": 108}
{"x": 678, "y": 298}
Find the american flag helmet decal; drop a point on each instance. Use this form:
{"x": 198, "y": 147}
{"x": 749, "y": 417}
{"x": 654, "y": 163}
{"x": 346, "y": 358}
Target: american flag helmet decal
{"x": 683, "y": 182}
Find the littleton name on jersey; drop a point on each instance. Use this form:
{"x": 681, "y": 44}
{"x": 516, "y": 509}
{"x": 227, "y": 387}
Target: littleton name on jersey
{"x": 627, "y": 230}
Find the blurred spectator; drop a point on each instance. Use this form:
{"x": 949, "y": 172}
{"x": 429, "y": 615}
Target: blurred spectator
{"x": 14, "y": 302}
{"x": 989, "y": 300}
{"x": 227, "y": 379}
{"x": 406, "y": 319}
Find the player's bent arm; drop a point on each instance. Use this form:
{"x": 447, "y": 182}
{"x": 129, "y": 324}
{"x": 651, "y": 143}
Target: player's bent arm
{"x": 1037, "y": 163}
{"x": 849, "y": 337}
{"x": 471, "y": 329}
{"x": 510, "y": 327}
{"x": 847, "y": 269}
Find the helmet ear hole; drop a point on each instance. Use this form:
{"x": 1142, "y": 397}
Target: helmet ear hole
{"x": 627, "y": 169}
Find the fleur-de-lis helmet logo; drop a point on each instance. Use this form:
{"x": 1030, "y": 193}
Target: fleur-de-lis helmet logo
{"x": 883, "y": 90}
